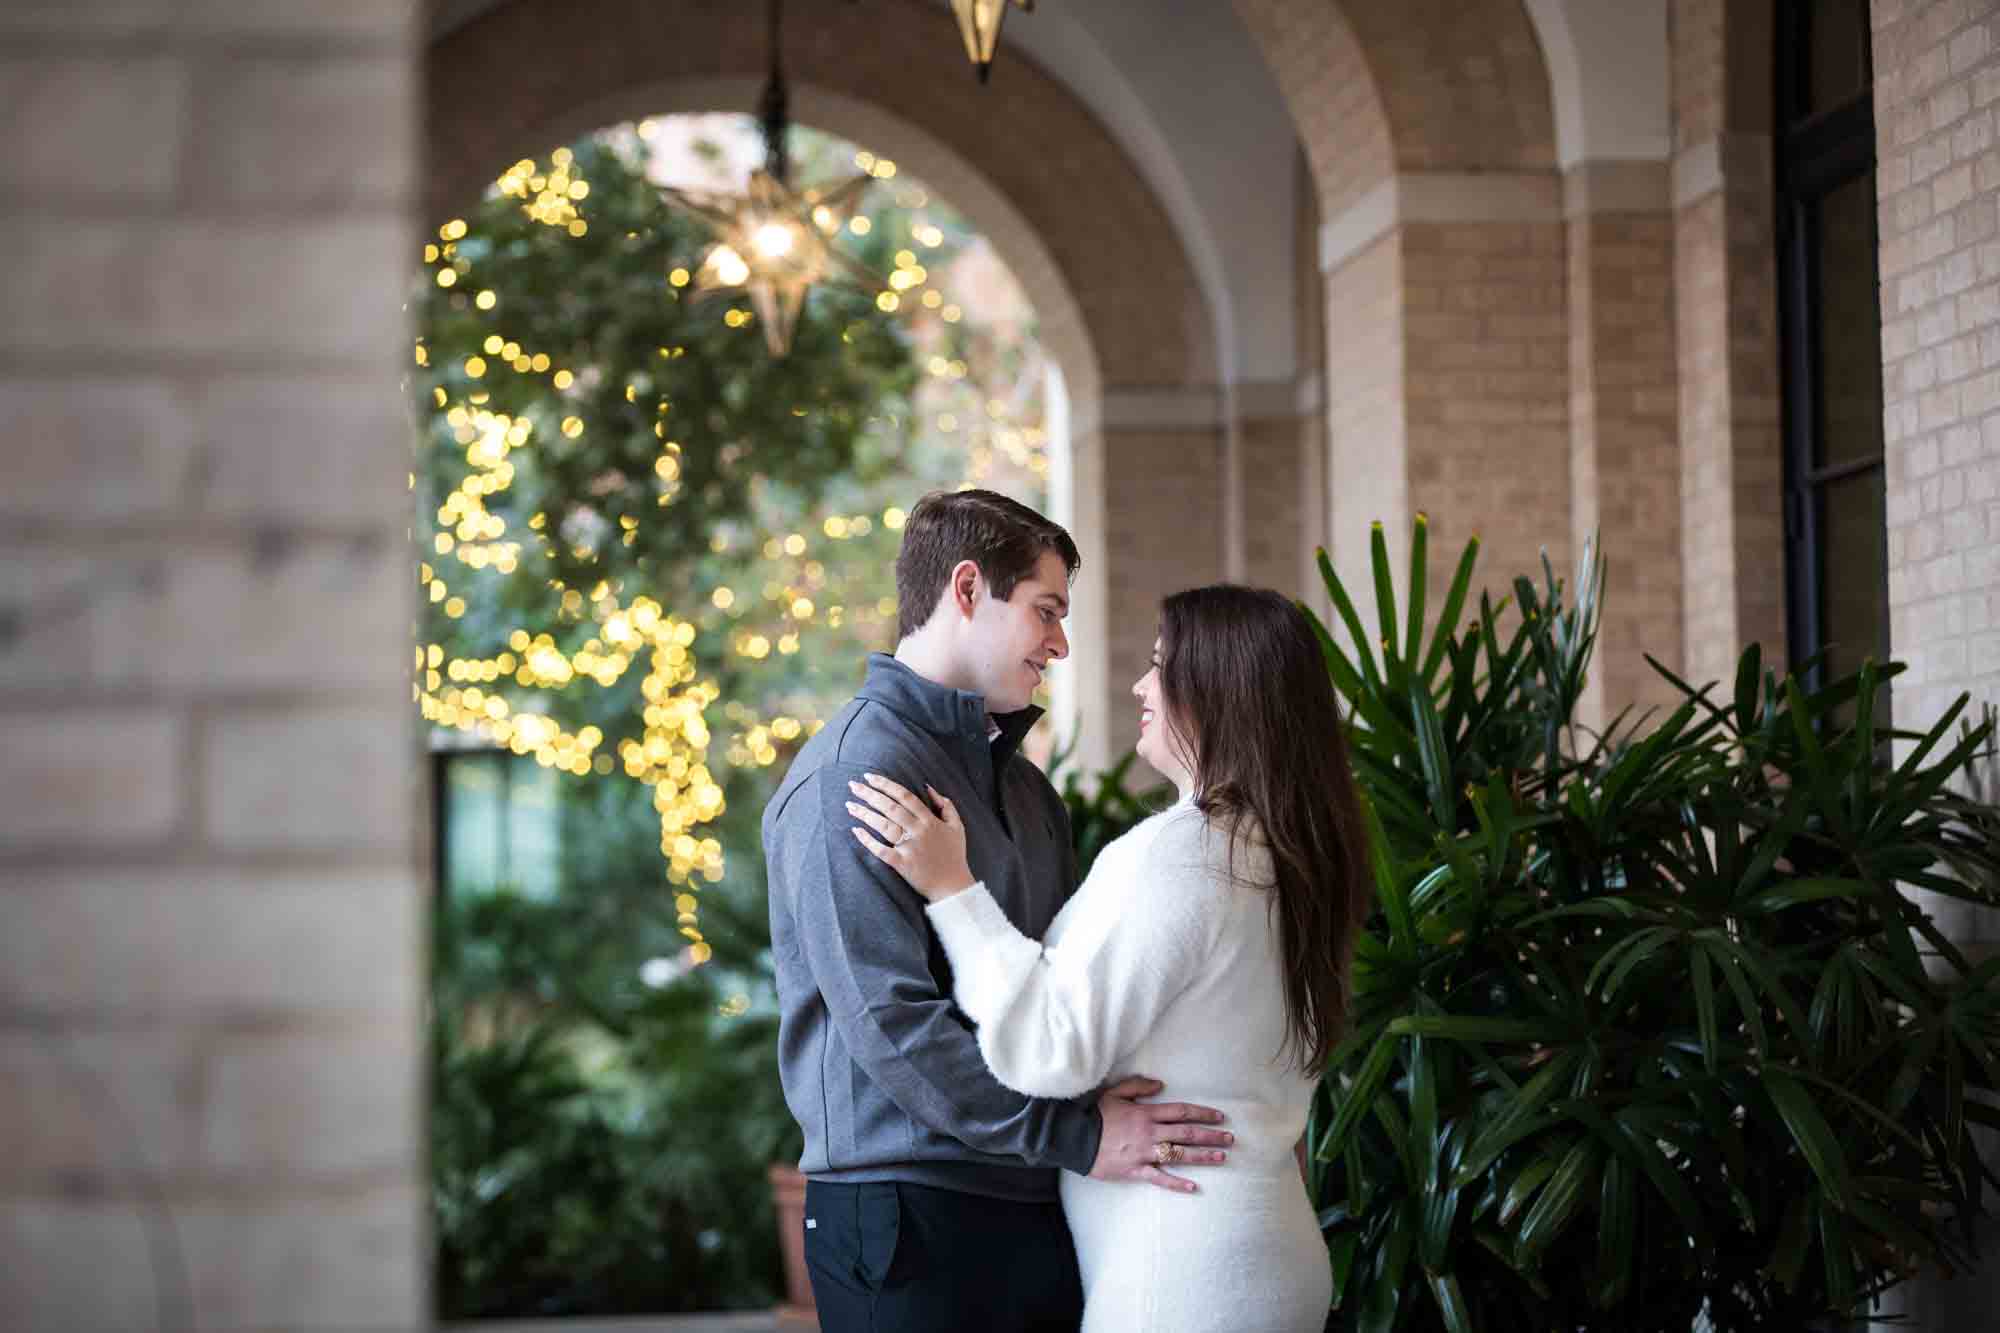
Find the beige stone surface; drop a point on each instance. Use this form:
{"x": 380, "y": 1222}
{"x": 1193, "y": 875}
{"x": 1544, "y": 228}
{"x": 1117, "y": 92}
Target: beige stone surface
{"x": 1163, "y": 532}
{"x": 104, "y": 774}
{"x": 314, "y": 777}
{"x": 1624, "y": 437}
{"x": 1726, "y": 336}
{"x": 211, "y": 916}
{"x": 1937, "y": 94}
{"x": 206, "y": 946}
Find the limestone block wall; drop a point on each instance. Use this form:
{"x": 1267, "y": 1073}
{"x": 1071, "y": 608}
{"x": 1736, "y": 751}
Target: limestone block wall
{"x": 1487, "y": 386}
{"x": 211, "y": 935}
{"x": 1163, "y": 531}
{"x": 1937, "y": 95}
{"x": 1278, "y": 502}
{"x": 1447, "y": 378}
{"x": 1366, "y": 411}
{"x": 1624, "y": 421}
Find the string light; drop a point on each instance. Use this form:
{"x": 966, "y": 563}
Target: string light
{"x": 671, "y": 753}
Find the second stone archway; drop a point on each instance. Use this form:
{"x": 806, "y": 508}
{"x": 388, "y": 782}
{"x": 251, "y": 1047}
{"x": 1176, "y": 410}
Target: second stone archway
{"x": 1499, "y": 314}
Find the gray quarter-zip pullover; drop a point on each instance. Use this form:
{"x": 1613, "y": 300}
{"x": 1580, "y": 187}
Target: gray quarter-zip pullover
{"x": 880, "y": 1068}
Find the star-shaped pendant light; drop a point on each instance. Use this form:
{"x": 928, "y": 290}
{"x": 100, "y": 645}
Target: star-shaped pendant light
{"x": 979, "y": 24}
{"x": 771, "y": 241}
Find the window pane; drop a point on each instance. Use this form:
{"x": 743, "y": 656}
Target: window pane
{"x": 1853, "y": 572}
{"x": 473, "y": 823}
{"x": 1848, "y": 323}
{"x": 534, "y": 829}
{"x": 502, "y": 825}
{"x": 1837, "y": 55}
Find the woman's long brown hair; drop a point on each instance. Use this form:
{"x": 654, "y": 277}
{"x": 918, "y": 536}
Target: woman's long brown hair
{"x": 1242, "y": 672}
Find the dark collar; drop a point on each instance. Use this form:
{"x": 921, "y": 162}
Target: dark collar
{"x": 942, "y": 709}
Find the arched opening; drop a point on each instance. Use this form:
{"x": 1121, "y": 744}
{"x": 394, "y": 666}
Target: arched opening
{"x": 1122, "y": 311}
{"x": 654, "y": 556}
{"x": 1496, "y": 248}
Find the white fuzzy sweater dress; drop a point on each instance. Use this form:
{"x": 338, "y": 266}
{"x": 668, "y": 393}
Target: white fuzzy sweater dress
{"x": 1161, "y": 965}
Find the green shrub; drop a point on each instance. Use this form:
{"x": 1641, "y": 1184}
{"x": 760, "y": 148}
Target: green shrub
{"x": 1654, "y": 1021}
{"x": 599, "y": 1144}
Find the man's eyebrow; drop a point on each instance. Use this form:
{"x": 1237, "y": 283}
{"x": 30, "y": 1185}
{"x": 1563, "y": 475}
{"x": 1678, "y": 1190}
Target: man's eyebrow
{"x": 1058, "y": 599}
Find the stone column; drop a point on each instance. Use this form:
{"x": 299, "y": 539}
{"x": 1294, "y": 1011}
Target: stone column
{"x": 1447, "y": 374}
{"x": 211, "y": 923}
{"x": 1160, "y": 470}
{"x": 1725, "y": 300}
{"x": 1624, "y": 445}
{"x": 1278, "y": 435}
{"x": 1366, "y": 471}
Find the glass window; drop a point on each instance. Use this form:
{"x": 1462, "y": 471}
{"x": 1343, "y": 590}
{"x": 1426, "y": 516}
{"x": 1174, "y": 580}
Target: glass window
{"x": 500, "y": 824}
{"x": 1836, "y": 568}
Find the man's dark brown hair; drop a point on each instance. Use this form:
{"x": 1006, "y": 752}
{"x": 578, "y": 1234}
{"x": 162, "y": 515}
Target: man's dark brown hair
{"x": 1003, "y": 537}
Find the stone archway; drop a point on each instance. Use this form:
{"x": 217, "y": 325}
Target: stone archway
{"x": 1121, "y": 305}
{"x": 1499, "y": 348}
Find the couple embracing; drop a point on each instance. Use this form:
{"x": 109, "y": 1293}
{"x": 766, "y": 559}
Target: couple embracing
{"x": 1030, "y": 1104}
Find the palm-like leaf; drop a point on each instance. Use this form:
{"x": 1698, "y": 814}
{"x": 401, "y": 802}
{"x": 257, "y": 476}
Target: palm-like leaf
{"x": 1658, "y": 1010}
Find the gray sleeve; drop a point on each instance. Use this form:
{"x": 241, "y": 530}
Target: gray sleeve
{"x": 867, "y": 942}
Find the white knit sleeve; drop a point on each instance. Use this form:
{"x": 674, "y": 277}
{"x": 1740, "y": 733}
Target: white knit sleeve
{"x": 1054, "y": 1021}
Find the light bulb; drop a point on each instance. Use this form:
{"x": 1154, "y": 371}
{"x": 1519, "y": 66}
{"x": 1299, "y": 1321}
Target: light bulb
{"x": 772, "y": 240}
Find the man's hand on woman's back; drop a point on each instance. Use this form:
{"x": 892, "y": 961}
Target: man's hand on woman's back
{"x": 1131, "y": 1147}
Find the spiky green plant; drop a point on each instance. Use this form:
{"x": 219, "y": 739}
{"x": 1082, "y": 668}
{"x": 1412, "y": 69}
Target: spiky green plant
{"x": 1653, "y": 1021}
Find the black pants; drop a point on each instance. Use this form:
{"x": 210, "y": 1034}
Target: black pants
{"x": 894, "y": 1258}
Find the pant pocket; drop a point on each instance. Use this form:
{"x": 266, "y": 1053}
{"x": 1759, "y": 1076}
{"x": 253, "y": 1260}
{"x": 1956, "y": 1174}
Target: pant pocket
{"x": 829, "y": 1232}
{"x": 878, "y": 1229}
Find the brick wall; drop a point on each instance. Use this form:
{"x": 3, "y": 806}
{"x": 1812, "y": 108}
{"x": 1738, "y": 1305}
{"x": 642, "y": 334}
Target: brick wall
{"x": 1937, "y": 95}
{"x": 1329, "y": 89}
{"x": 210, "y": 924}
{"x": 1163, "y": 504}
{"x": 1487, "y": 384}
{"x": 1366, "y": 412}
{"x": 1464, "y": 86}
{"x": 1624, "y": 460}
{"x": 1276, "y": 504}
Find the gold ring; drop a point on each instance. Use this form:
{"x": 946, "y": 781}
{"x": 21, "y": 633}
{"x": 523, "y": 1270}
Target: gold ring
{"x": 1168, "y": 1154}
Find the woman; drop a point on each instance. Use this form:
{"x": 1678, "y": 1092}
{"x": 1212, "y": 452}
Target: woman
{"x": 1208, "y": 947}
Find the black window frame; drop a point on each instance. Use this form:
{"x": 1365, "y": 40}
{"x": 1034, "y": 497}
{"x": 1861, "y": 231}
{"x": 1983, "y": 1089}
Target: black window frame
{"x": 1815, "y": 154}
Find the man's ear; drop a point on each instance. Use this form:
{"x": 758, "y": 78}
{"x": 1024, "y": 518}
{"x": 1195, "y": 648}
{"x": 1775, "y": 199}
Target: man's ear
{"x": 966, "y": 587}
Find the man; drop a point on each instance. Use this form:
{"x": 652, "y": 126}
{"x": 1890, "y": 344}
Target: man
{"x": 931, "y": 1188}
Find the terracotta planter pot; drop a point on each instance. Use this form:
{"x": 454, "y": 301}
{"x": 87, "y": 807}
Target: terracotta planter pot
{"x": 788, "y": 1197}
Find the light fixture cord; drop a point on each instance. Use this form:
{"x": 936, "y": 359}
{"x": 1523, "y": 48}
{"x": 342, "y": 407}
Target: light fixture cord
{"x": 773, "y": 109}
